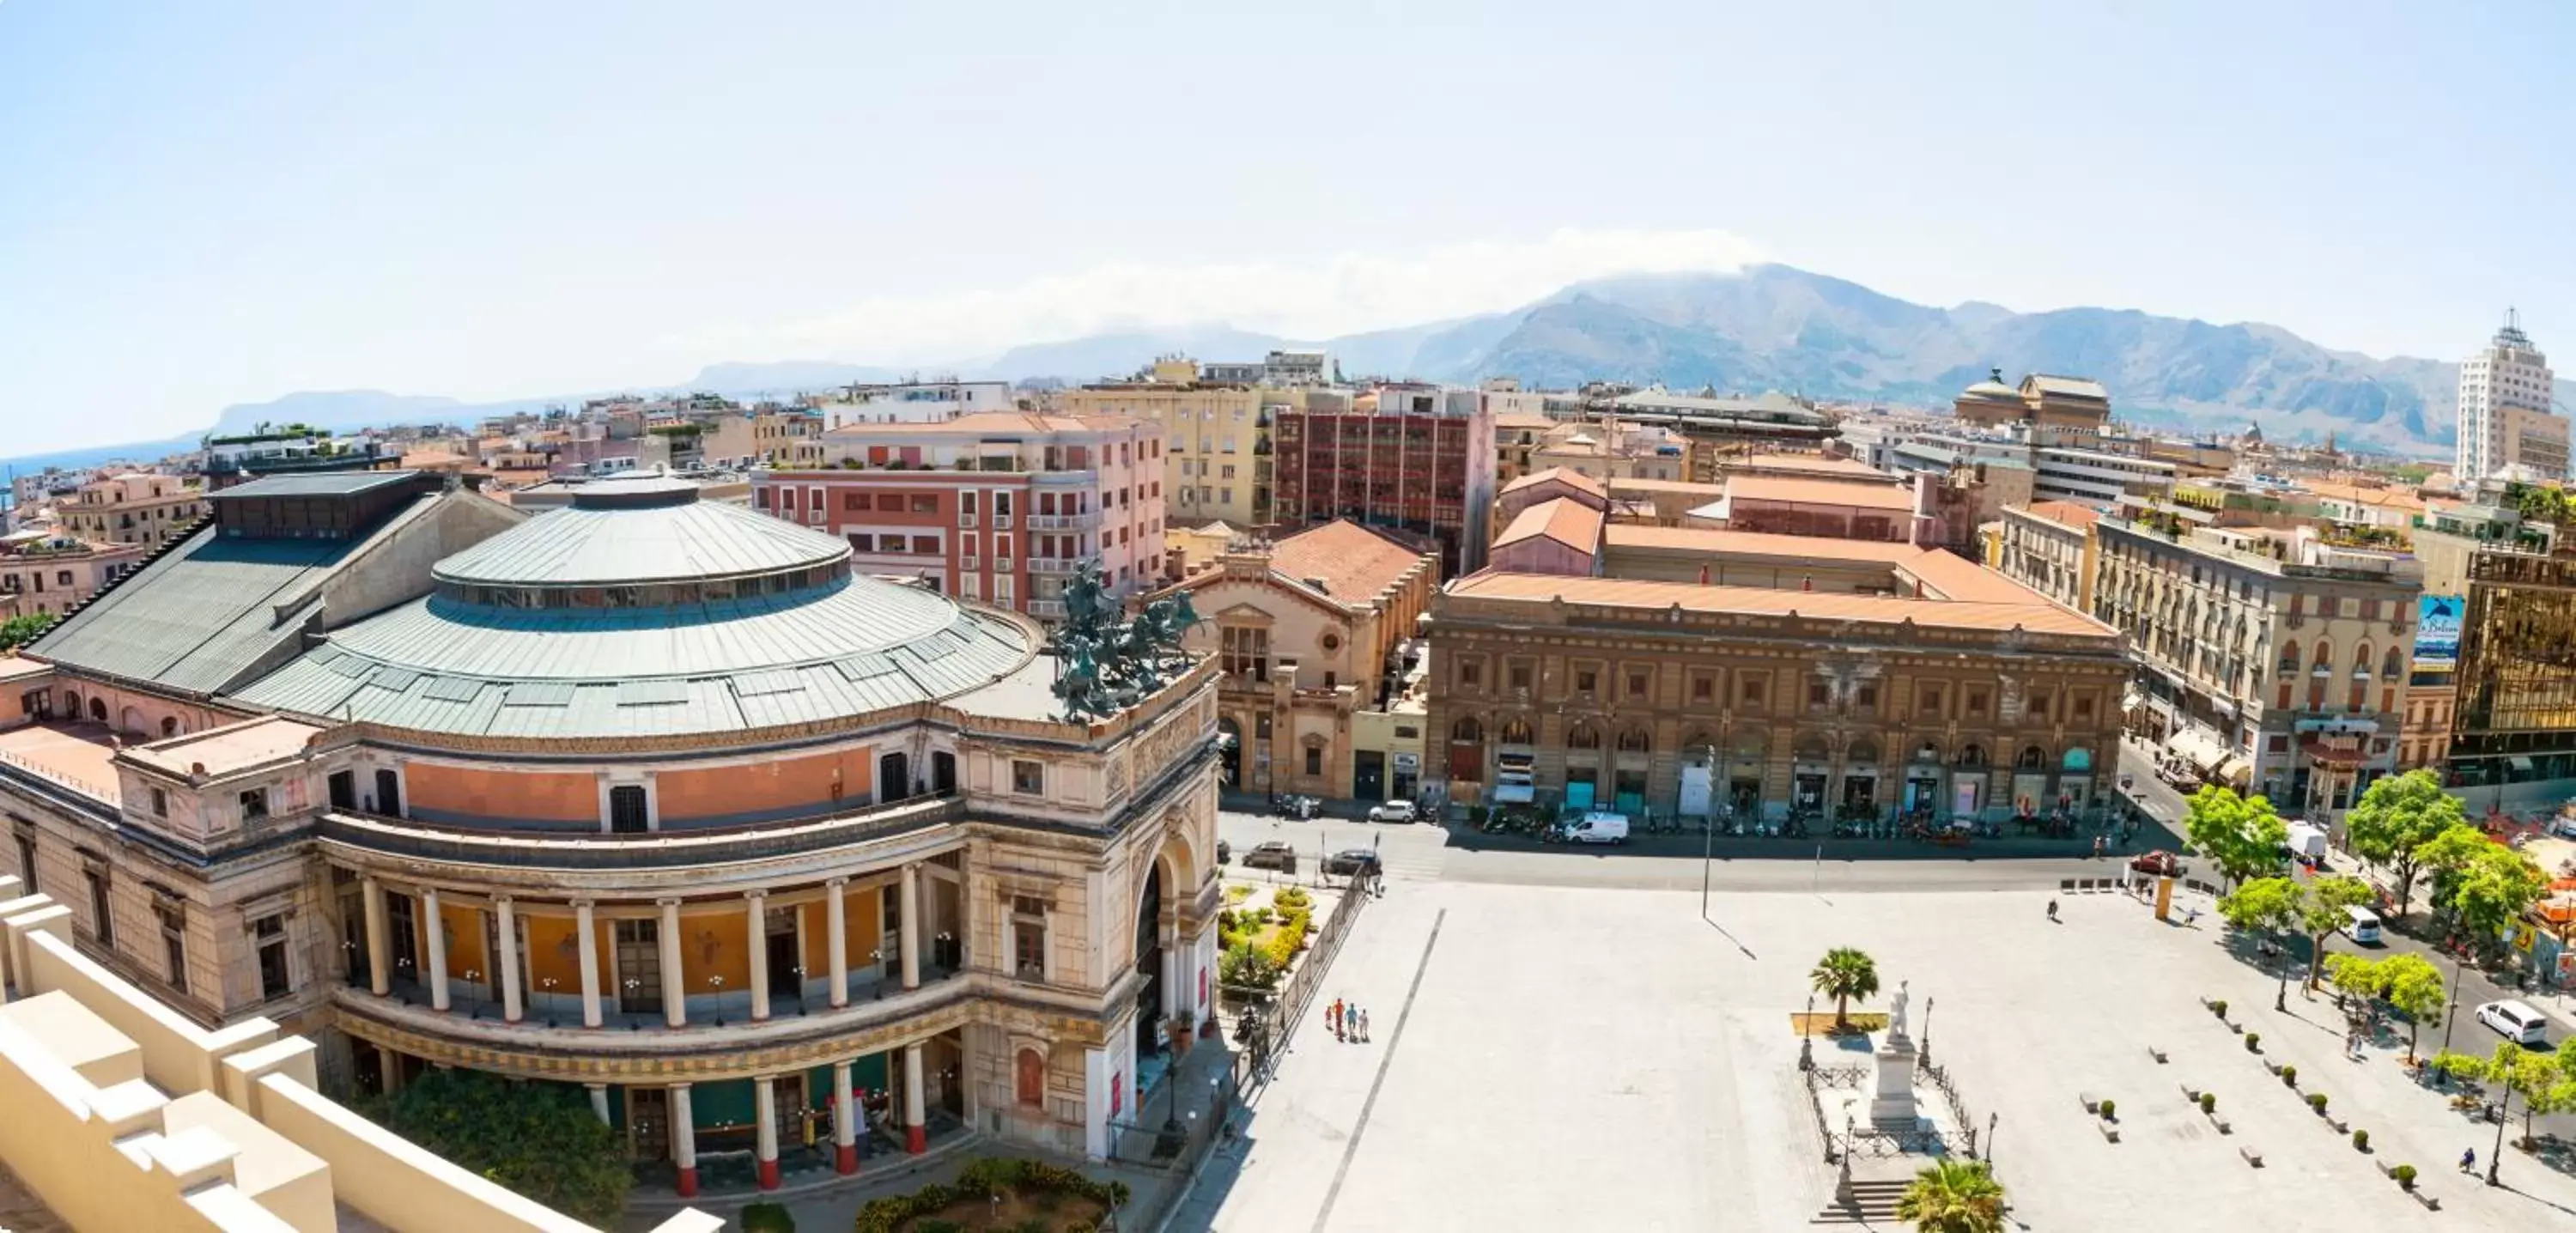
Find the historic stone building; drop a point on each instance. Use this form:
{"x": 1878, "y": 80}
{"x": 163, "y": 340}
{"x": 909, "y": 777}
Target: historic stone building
{"x": 648, "y": 794}
{"x": 1830, "y": 677}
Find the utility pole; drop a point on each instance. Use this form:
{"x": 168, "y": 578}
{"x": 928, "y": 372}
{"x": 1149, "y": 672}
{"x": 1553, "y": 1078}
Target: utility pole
{"x": 2450, "y": 1014}
{"x": 1708, "y": 835}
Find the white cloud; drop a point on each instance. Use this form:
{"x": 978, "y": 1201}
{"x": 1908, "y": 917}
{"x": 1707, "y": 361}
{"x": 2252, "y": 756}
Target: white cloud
{"x": 1348, "y": 293}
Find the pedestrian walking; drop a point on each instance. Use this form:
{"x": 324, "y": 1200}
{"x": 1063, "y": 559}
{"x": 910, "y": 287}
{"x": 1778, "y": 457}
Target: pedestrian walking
{"x": 2469, "y": 1161}
{"x": 1364, "y": 1025}
{"x": 1334, "y": 1017}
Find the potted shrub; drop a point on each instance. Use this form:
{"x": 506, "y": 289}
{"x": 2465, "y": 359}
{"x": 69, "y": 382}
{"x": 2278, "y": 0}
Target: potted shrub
{"x": 2219, "y": 1008}
{"x": 2209, "y": 1102}
{"x": 2290, "y": 1075}
{"x": 2253, "y": 1042}
{"x": 2361, "y": 1140}
{"x": 2317, "y": 1101}
{"x": 2106, "y": 1111}
{"x": 2405, "y": 1175}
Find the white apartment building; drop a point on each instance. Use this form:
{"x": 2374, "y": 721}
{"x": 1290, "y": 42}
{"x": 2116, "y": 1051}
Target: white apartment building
{"x": 2096, "y": 479}
{"x": 915, "y": 402}
{"x": 2506, "y": 429}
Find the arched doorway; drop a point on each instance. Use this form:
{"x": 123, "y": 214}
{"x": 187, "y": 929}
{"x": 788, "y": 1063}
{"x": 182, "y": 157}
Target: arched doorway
{"x": 894, "y": 777}
{"x": 1150, "y": 995}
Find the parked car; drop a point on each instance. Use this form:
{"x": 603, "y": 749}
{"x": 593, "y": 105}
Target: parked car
{"x": 2517, "y": 1022}
{"x": 2159, "y": 862}
{"x": 1352, "y": 862}
{"x": 1598, "y": 826}
{"x": 2361, "y": 925}
{"x": 1272, "y": 855}
{"x": 1392, "y": 811}
{"x": 1224, "y": 852}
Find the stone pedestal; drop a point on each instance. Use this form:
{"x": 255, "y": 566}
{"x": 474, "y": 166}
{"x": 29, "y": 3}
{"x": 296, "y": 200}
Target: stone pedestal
{"x": 1892, "y": 1107}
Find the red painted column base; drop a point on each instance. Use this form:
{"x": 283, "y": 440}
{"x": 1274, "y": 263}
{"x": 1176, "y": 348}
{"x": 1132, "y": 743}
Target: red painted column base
{"x": 689, "y": 1182}
{"x": 769, "y": 1175}
{"x": 915, "y": 1140}
{"x": 846, "y": 1158}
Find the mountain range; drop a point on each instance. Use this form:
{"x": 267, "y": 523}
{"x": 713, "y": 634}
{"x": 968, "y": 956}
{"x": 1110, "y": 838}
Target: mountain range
{"x": 1767, "y": 327}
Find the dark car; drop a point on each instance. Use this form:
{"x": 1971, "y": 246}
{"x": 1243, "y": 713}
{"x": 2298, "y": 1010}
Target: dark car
{"x": 1272, "y": 855}
{"x": 1352, "y": 862}
{"x": 1224, "y": 851}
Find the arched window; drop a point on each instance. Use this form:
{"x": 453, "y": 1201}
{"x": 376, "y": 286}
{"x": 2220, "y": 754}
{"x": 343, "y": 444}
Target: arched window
{"x": 2324, "y": 661}
{"x": 2361, "y": 659}
{"x": 1862, "y": 752}
{"x": 1972, "y": 756}
{"x": 98, "y": 710}
{"x": 1634, "y": 740}
{"x": 1028, "y": 1082}
{"x": 2077, "y": 759}
{"x": 2031, "y": 758}
{"x": 2393, "y": 666}
{"x": 1928, "y": 751}
{"x": 1583, "y": 736}
{"x": 1467, "y": 729}
{"x": 1811, "y": 748}
{"x": 1516, "y": 732}
{"x": 2290, "y": 655}
{"x": 71, "y": 705}
{"x": 169, "y": 726}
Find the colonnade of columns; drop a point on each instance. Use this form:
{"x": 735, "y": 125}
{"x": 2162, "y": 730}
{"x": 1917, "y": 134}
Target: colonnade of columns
{"x": 906, "y": 932}
{"x": 845, "y": 1122}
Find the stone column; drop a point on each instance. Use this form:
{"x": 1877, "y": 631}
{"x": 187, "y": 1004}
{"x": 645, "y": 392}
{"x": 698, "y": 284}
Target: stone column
{"x": 835, "y": 922}
{"x": 380, "y": 964}
{"x": 845, "y": 1121}
{"x": 437, "y": 931}
{"x": 675, "y": 983}
{"x": 588, "y": 928}
{"x": 756, "y": 945}
{"x": 505, "y": 930}
{"x": 909, "y": 943}
{"x": 684, "y": 1141}
{"x": 599, "y": 1101}
{"x": 915, "y": 1139}
{"x": 764, "y": 1112}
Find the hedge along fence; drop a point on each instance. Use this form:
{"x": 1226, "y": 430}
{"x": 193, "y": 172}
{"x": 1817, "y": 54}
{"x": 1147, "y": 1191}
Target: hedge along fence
{"x": 982, "y": 1178}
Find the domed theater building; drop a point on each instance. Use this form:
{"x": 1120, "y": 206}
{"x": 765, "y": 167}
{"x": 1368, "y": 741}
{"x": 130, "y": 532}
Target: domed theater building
{"x": 649, "y": 794}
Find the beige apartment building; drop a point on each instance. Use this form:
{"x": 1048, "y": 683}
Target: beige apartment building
{"x": 2272, "y": 661}
{"x": 2050, "y": 548}
{"x": 135, "y": 508}
{"x": 1216, "y": 456}
{"x": 1306, "y": 632}
{"x": 46, "y": 575}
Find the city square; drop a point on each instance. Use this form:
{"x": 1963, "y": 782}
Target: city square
{"x": 1601, "y": 1056}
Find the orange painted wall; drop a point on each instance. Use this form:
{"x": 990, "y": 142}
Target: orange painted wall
{"x": 782, "y": 784}
{"x": 550, "y": 796}
{"x": 711, "y": 945}
{"x": 464, "y": 941}
{"x": 554, "y": 952}
{"x": 858, "y": 929}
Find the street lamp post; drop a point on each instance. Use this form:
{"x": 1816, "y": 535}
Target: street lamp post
{"x": 1807, "y": 1036}
{"x": 1991, "y": 1119}
{"x": 1927, "y": 1030}
{"x": 1708, "y": 835}
{"x": 2450, "y": 1014}
{"x": 2496, "y": 1157}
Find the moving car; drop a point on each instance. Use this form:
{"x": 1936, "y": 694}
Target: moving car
{"x": 2518, "y": 1022}
{"x": 2361, "y": 925}
{"x": 1275, "y": 854}
{"x": 1352, "y": 862}
{"x": 1598, "y": 827}
{"x": 2159, "y": 862}
{"x": 1392, "y": 811}
{"x": 1224, "y": 851}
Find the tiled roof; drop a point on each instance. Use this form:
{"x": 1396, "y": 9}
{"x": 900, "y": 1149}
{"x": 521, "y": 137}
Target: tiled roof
{"x": 2039, "y": 616}
{"x": 1816, "y": 464}
{"x": 1575, "y": 480}
{"x": 1943, "y": 575}
{"x": 2068, "y": 387}
{"x": 1353, "y": 562}
{"x": 1791, "y": 490}
{"x": 2067, "y": 513}
{"x": 1568, "y": 522}
{"x": 987, "y": 423}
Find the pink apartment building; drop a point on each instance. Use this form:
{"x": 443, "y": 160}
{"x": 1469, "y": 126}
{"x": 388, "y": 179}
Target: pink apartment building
{"x": 996, "y": 507}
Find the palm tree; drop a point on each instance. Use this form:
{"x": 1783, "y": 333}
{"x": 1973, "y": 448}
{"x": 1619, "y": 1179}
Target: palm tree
{"x": 1843, "y": 974}
{"x": 1953, "y": 1196}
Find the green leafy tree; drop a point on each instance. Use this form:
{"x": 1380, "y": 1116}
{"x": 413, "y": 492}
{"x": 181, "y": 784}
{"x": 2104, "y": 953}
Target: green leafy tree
{"x": 539, "y": 1139}
{"x": 2354, "y": 976}
{"x": 2413, "y": 987}
{"x": 2397, "y": 815}
{"x": 2495, "y": 890}
{"x": 1953, "y": 1196}
{"x": 2267, "y": 905}
{"x": 1846, "y": 974}
{"x": 2321, "y": 913}
{"x": 2447, "y": 856}
{"x": 18, "y": 631}
{"x": 2541, "y": 1079}
{"x": 2240, "y": 834}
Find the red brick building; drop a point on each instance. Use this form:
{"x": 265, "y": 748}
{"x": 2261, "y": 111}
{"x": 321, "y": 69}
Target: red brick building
{"x": 1413, "y": 457}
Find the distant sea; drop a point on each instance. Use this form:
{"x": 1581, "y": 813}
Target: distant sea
{"x": 94, "y": 456}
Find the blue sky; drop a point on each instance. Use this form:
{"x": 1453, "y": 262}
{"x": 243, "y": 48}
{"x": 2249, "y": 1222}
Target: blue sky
{"x": 211, "y": 202}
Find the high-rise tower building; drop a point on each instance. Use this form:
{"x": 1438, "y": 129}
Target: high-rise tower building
{"x": 2506, "y": 428}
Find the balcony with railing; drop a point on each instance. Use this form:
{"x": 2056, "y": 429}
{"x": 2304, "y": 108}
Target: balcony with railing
{"x": 1083, "y": 521}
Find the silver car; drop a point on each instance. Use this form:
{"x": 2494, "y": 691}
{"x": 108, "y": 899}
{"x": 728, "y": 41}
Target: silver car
{"x": 1392, "y": 811}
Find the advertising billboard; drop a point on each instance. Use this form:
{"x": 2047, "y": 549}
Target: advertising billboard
{"x": 2437, "y": 630}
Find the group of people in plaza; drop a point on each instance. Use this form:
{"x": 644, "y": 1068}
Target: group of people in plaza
{"x": 1348, "y": 1020}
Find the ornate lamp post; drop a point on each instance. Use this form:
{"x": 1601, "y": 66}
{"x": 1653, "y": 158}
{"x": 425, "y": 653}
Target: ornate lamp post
{"x": 1807, "y": 1036}
{"x": 1927, "y": 1030}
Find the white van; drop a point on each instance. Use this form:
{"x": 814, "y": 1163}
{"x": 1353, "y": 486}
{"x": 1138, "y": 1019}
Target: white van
{"x": 1598, "y": 827}
{"x": 2361, "y": 925}
{"x": 2518, "y": 1023}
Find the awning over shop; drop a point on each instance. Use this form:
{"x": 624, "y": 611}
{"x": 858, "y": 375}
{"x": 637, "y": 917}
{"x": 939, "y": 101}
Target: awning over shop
{"x": 2196, "y": 747}
{"x": 2519, "y": 763}
{"x": 2327, "y": 755}
{"x": 1510, "y": 794}
{"x": 2234, "y": 770}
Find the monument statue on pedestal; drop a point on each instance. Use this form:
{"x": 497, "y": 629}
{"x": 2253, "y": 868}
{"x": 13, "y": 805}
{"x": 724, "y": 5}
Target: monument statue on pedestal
{"x": 1896, "y": 1013}
{"x": 1892, "y": 1108}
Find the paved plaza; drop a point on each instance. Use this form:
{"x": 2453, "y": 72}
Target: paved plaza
{"x": 1601, "y": 1057}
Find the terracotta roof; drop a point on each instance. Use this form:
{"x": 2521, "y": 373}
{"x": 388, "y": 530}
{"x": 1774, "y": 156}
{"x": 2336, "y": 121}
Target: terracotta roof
{"x": 1525, "y": 421}
{"x": 1353, "y": 562}
{"x": 1816, "y": 464}
{"x": 2067, "y": 513}
{"x": 989, "y": 423}
{"x": 1568, "y": 522}
{"x": 1685, "y": 487}
{"x": 2390, "y": 498}
{"x": 1571, "y": 479}
{"x": 2038, "y": 617}
{"x": 1942, "y": 575}
{"x": 1797, "y": 491}
{"x": 424, "y": 460}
